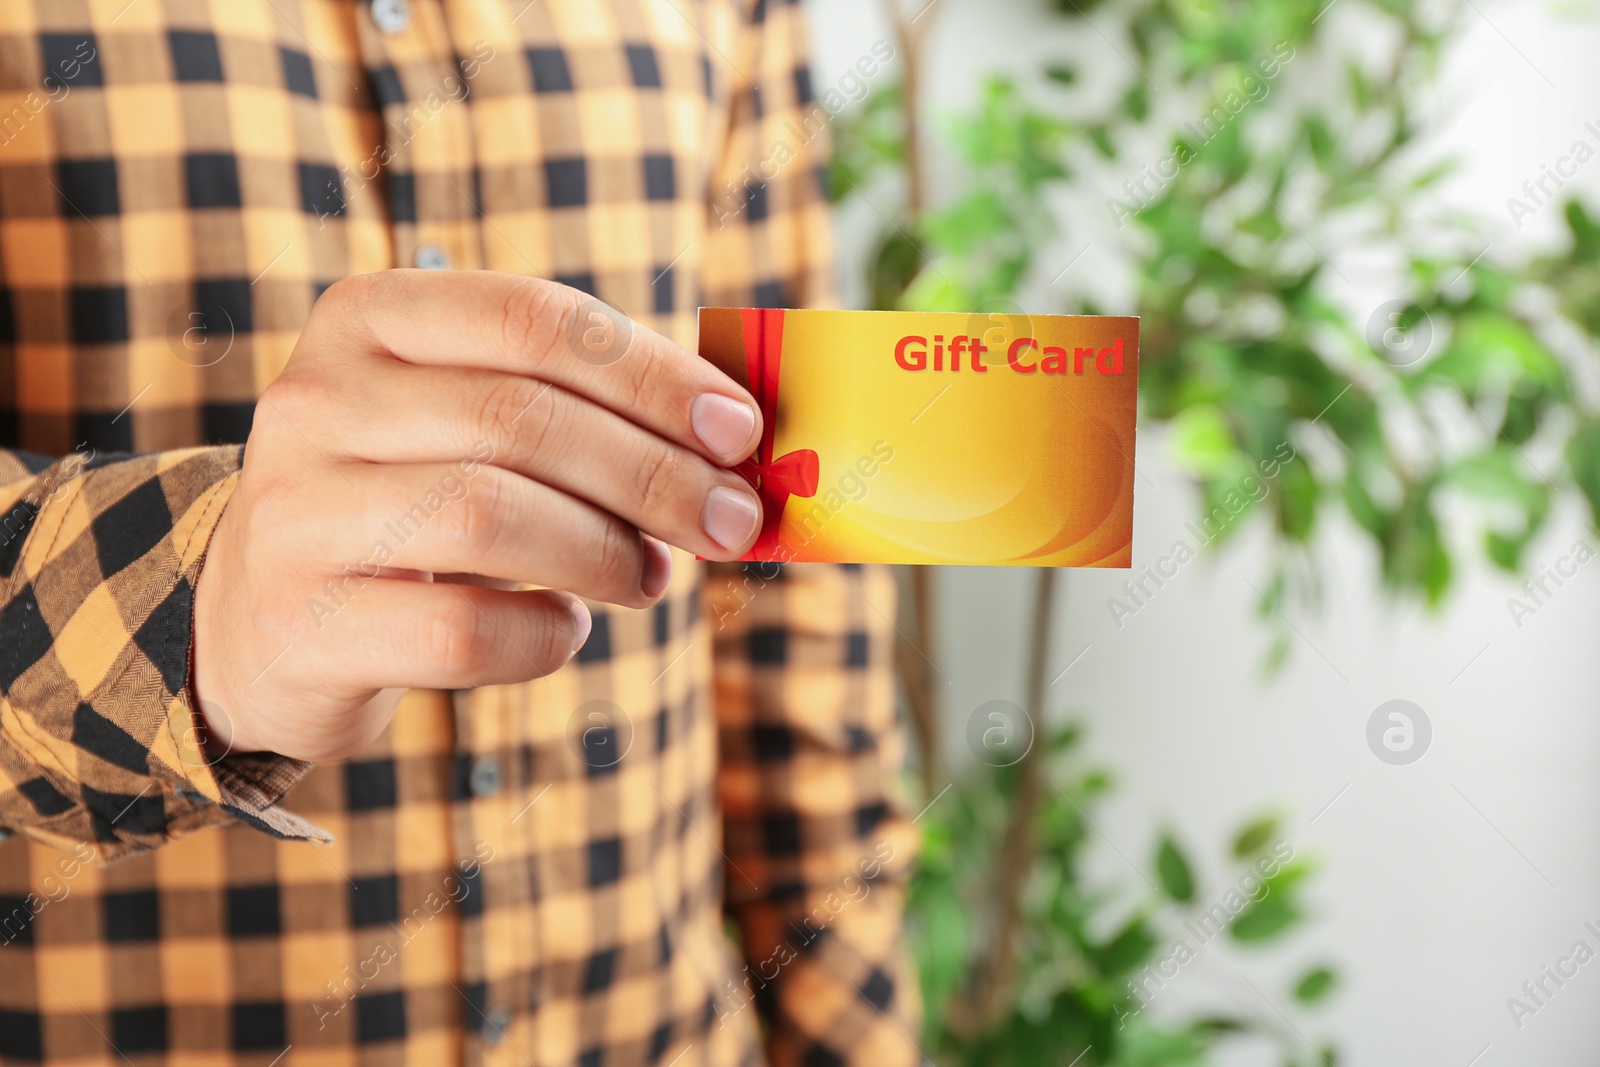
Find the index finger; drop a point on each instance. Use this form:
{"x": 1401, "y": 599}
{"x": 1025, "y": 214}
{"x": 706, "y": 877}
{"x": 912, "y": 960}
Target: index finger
{"x": 561, "y": 335}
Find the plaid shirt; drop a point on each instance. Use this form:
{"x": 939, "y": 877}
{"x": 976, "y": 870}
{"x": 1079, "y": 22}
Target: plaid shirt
{"x": 674, "y": 850}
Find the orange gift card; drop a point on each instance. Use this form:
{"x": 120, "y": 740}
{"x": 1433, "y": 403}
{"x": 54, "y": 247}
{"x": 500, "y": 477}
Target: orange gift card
{"x": 902, "y": 437}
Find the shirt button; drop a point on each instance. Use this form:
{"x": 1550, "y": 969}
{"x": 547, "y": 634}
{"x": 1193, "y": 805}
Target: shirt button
{"x": 433, "y": 257}
{"x": 495, "y": 1025}
{"x": 485, "y": 777}
{"x": 392, "y": 16}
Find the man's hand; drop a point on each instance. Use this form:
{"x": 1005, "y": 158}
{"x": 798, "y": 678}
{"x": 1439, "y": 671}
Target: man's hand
{"x": 433, "y": 424}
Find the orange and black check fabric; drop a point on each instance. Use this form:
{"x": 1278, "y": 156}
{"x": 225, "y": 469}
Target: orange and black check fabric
{"x": 680, "y": 849}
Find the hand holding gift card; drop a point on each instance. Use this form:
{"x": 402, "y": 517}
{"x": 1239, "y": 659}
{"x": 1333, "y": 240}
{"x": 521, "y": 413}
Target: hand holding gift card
{"x": 899, "y": 437}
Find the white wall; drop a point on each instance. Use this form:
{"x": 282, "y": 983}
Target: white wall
{"x": 1446, "y": 883}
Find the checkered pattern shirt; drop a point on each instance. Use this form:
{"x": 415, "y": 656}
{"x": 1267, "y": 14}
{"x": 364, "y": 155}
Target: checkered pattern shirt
{"x": 681, "y": 848}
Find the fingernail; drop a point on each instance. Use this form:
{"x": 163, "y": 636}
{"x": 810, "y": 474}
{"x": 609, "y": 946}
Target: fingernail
{"x": 730, "y": 517}
{"x": 725, "y": 425}
{"x": 583, "y": 623}
{"x": 657, "y": 568}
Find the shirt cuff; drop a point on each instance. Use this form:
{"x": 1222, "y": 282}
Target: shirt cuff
{"x": 99, "y": 739}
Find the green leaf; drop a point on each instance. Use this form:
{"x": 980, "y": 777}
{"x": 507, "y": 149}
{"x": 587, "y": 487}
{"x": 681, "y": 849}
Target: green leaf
{"x": 894, "y": 267}
{"x": 1363, "y": 508}
{"x": 1521, "y": 419}
{"x": 1322, "y": 144}
{"x": 1130, "y": 947}
{"x": 1146, "y": 1045}
{"x": 1504, "y": 552}
{"x": 961, "y": 227}
{"x": 1202, "y": 441}
{"x": 1137, "y": 103}
{"x": 1435, "y": 174}
{"x": 1315, "y": 985}
{"x": 932, "y": 290}
{"x": 1255, "y": 836}
{"x": 1101, "y": 138}
{"x": 1585, "y": 234}
{"x": 1436, "y": 569}
{"x": 1061, "y": 738}
{"x": 1265, "y": 918}
{"x": 1492, "y": 350}
{"x": 1361, "y": 88}
{"x": 1297, "y": 502}
{"x": 1583, "y": 459}
{"x": 1177, "y": 878}
{"x": 1498, "y": 475}
{"x": 1220, "y": 1024}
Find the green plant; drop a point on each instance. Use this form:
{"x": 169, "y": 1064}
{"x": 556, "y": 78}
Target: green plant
{"x": 1091, "y": 965}
{"x": 1291, "y": 146}
{"x": 1252, "y": 148}
{"x": 1024, "y": 962}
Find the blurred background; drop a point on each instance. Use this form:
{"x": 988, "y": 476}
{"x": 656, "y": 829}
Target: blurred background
{"x": 1329, "y": 790}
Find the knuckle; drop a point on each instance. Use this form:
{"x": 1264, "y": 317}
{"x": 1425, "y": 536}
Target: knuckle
{"x": 646, "y": 381}
{"x": 273, "y": 504}
{"x": 339, "y": 295}
{"x": 515, "y": 416}
{"x": 349, "y": 293}
{"x": 503, "y": 407}
{"x": 552, "y": 642}
{"x": 532, "y": 317}
{"x": 658, "y": 474}
{"x": 458, "y": 640}
{"x": 474, "y": 520}
{"x": 271, "y": 458}
{"x": 289, "y": 392}
{"x": 616, "y": 562}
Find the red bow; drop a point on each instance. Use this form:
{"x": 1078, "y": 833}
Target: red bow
{"x": 792, "y": 474}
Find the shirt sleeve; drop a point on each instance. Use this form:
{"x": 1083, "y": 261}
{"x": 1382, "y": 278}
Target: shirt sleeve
{"x": 818, "y": 849}
{"x": 99, "y": 741}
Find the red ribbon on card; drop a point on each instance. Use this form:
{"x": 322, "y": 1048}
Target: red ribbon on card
{"x": 793, "y": 473}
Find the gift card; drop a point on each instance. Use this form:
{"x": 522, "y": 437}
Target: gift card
{"x": 903, "y": 437}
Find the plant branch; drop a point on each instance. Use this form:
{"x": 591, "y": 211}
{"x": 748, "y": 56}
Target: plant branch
{"x": 990, "y": 993}
{"x": 911, "y": 35}
{"x": 916, "y": 674}
{"x": 915, "y": 653}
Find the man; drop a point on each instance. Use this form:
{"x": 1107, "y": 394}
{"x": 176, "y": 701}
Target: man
{"x": 547, "y": 805}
